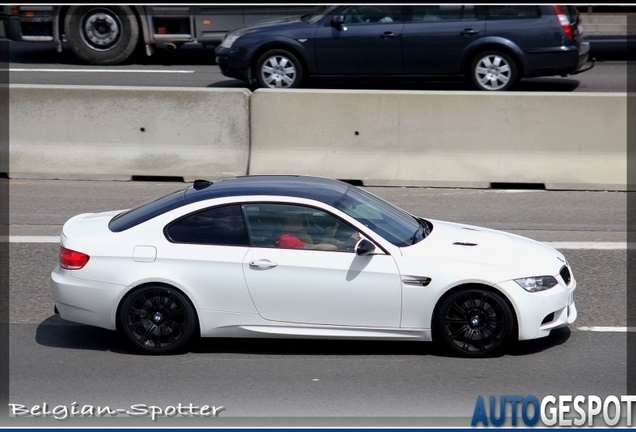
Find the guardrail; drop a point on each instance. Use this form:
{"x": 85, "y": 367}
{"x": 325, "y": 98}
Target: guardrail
{"x": 451, "y": 139}
{"x": 393, "y": 138}
{"x": 89, "y": 132}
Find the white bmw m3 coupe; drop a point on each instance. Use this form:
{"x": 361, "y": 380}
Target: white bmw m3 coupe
{"x": 304, "y": 257}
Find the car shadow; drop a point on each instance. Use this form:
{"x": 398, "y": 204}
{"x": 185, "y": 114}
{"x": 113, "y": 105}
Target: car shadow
{"x": 557, "y": 337}
{"x": 55, "y": 332}
{"x": 531, "y": 85}
{"x": 58, "y": 333}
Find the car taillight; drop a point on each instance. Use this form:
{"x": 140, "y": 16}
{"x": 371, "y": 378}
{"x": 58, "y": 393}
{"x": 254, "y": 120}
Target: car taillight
{"x": 564, "y": 21}
{"x": 72, "y": 260}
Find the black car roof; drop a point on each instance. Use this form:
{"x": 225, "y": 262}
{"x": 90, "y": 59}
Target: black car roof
{"x": 321, "y": 189}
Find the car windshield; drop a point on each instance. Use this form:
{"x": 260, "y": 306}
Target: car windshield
{"x": 320, "y": 13}
{"x": 389, "y": 221}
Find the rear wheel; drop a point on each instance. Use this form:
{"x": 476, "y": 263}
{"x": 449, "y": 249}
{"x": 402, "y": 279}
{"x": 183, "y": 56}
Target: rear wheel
{"x": 493, "y": 71}
{"x": 474, "y": 322}
{"x": 157, "y": 319}
{"x": 101, "y": 35}
{"x": 278, "y": 69}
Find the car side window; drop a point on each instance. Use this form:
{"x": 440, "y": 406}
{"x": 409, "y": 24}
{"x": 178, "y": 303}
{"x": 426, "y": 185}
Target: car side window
{"x": 512, "y": 12}
{"x": 372, "y": 14}
{"x": 296, "y": 227}
{"x": 442, "y": 13}
{"x": 223, "y": 226}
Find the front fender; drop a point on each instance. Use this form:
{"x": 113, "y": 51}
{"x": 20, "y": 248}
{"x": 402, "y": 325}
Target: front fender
{"x": 303, "y": 49}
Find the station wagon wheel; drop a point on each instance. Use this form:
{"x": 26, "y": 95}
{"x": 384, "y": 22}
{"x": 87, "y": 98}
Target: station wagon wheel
{"x": 474, "y": 322}
{"x": 157, "y": 319}
{"x": 493, "y": 71}
{"x": 279, "y": 69}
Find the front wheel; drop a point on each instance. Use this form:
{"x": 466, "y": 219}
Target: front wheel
{"x": 474, "y": 322}
{"x": 278, "y": 69}
{"x": 493, "y": 71}
{"x": 157, "y": 319}
{"x": 101, "y": 35}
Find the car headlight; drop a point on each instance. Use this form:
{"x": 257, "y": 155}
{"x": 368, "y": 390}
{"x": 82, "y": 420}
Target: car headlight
{"x": 229, "y": 39}
{"x": 537, "y": 283}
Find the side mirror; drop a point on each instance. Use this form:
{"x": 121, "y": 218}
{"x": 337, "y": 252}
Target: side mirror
{"x": 364, "y": 247}
{"x": 337, "y": 21}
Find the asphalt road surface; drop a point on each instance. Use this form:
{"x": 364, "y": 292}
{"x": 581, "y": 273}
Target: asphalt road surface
{"x": 306, "y": 382}
{"x": 194, "y": 66}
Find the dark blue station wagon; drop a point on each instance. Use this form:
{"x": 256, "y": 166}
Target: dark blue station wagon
{"x": 494, "y": 46}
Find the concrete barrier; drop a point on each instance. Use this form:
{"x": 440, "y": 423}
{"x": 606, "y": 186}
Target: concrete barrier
{"x": 93, "y": 132}
{"x": 450, "y": 139}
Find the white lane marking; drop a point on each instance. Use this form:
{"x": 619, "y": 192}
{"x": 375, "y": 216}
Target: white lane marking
{"x": 34, "y": 239}
{"x": 98, "y": 70}
{"x": 556, "y": 245}
{"x": 608, "y": 329}
{"x": 592, "y": 245}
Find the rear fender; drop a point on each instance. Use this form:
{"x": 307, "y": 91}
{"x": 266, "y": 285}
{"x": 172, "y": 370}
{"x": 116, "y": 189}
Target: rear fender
{"x": 501, "y": 44}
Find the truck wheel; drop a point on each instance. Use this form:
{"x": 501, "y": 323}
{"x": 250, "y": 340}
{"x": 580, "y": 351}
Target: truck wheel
{"x": 101, "y": 35}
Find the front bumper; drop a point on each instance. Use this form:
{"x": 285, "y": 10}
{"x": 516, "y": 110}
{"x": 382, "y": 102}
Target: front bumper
{"x": 233, "y": 63}
{"x": 541, "y": 312}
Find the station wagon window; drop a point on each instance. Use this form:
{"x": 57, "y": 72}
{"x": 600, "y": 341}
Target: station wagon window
{"x": 443, "y": 13}
{"x": 221, "y": 226}
{"x": 512, "y": 12}
{"x": 372, "y": 14}
{"x": 268, "y": 223}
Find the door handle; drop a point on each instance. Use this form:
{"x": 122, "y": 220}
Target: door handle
{"x": 263, "y": 264}
{"x": 469, "y": 32}
{"x": 388, "y": 35}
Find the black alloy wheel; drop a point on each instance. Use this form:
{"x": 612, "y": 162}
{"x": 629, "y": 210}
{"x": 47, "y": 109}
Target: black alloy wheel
{"x": 157, "y": 319}
{"x": 474, "y": 322}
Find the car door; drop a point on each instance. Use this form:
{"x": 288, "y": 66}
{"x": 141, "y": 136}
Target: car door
{"x": 322, "y": 287}
{"x": 369, "y": 42}
{"x": 435, "y": 38}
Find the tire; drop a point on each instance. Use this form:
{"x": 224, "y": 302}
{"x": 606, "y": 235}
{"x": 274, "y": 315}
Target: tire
{"x": 157, "y": 319}
{"x": 474, "y": 322}
{"x": 278, "y": 69}
{"x": 493, "y": 71}
{"x": 101, "y": 35}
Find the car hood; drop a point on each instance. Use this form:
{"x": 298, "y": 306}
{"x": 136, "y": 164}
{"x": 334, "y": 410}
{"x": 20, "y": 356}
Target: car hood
{"x": 470, "y": 244}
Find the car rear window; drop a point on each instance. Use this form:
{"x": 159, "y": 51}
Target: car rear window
{"x": 144, "y": 212}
